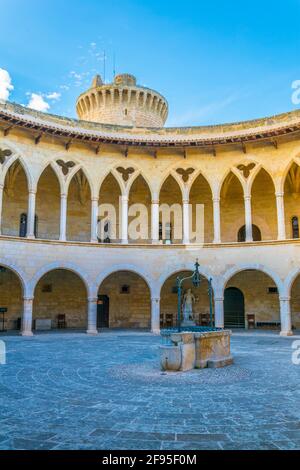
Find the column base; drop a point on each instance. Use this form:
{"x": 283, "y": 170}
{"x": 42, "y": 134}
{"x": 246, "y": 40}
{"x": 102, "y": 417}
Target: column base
{"x": 92, "y": 332}
{"x": 286, "y": 333}
{"x": 155, "y": 332}
{"x": 94, "y": 240}
{"x": 26, "y": 333}
{"x": 124, "y": 242}
{"x": 30, "y": 237}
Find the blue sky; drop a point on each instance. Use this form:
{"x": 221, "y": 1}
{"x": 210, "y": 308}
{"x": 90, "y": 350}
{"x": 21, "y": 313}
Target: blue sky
{"x": 214, "y": 61}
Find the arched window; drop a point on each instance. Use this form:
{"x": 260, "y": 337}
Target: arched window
{"x": 295, "y": 227}
{"x": 256, "y": 234}
{"x": 23, "y": 226}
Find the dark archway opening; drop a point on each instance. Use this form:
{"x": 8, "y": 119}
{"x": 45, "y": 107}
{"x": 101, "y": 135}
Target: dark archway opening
{"x": 234, "y": 308}
{"x": 256, "y": 234}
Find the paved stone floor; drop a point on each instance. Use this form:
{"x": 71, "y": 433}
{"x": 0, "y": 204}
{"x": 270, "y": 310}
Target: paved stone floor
{"x": 71, "y": 391}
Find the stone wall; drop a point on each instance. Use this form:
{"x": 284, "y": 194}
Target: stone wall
{"x": 295, "y": 303}
{"x": 67, "y": 296}
{"x": 15, "y": 200}
{"x": 140, "y": 194}
{"x": 79, "y": 210}
{"x": 258, "y": 301}
{"x": 232, "y": 209}
{"x": 11, "y": 297}
{"x": 201, "y": 194}
{"x": 263, "y": 201}
{"x": 131, "y": 310}
{"x": 48, "y": 205}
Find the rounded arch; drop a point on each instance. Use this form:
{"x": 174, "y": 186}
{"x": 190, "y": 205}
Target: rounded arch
{"x": 250, "y": 267}
{"x": 125, "y": 267}
{"x": 289, "y": 281}
{"x": 256, "y": 233}
{"x": 182, "y": 267}
{"x": 64, "y": 266}
{"x": 20, "y": 275}
{"x": 118, "y": 310}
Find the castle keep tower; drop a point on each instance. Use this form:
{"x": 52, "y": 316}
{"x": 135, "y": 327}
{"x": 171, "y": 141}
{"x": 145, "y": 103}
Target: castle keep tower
{"x": 123, "y": 103}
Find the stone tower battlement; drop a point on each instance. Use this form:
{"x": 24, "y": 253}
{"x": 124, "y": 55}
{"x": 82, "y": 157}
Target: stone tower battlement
{"x": 122, "y": 102}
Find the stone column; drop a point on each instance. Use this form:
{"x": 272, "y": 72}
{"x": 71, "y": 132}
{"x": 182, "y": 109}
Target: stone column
{"x": 285, "y": 316}
{"x": 217, "y": 220}
{"x": 1, "y": 199}
{"x": 31, "y": 214}
{"x": 186, "y": 221}
{"x": 155, "y": 315}
{"x": 219, "y": 312}
{"x": 92, "y": 316}
{"x": 27, "y": 317}
{"x": 124, "y": 219}
{"x": 63, "y": 217}
{"x": 155, "y": 221}
{"x": 248, "y": 218}
{"x": 94, "y": 219}
{"x": 280, "y": 216}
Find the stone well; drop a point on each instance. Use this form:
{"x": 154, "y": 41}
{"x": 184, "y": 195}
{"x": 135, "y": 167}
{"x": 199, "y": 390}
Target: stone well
{"x": 187, "y": 350}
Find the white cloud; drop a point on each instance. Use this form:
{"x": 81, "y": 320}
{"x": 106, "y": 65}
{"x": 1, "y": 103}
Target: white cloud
{"x": 5, "y": 84}
{"x": 55, "y": 96}
{"x": 38, "y": 103}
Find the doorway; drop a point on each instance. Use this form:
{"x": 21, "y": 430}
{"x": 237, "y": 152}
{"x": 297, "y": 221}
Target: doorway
{"x": 103, "y": 311}
{"x": 234, "y": 308}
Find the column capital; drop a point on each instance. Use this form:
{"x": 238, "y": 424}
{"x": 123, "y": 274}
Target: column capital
{"x": 216, "y": 200}
{"x": 63, "y": 195}
{"x": 155, "y": 201}
{"x": 92, "y": 299}
{"x": 95, "y": 199}
{"x": 219, "y": 299}
{"x": 32, "y": 191}
{"x": 155, "y": 299}
{"x": 185, "y": 201}
{"x": 279, "y": 194}
{"x": 28, "y": 299}
{"x": 124, "y": 198}
{"x": 284, "y": 298}
{"x": 247, "y": 197}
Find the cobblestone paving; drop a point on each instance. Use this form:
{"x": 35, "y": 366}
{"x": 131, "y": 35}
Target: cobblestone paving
{"x": 71, "y": 391}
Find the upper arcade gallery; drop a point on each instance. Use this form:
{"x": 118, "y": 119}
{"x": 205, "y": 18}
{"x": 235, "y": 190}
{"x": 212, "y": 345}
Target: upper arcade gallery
{"x": 59, "y": 176}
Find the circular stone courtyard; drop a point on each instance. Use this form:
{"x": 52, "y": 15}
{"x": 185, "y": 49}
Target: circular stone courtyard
{"x": 72, "y": 391}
